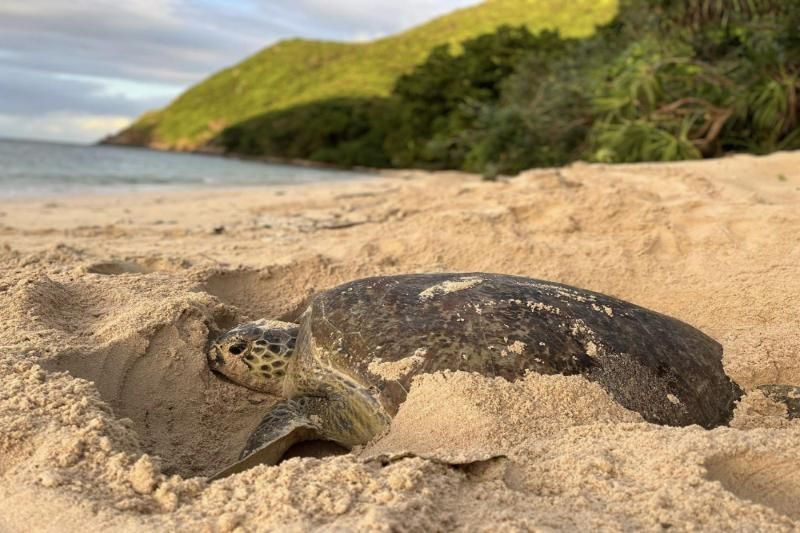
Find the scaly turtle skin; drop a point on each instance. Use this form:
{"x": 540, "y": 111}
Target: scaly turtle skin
{"x": 359, "y": 345}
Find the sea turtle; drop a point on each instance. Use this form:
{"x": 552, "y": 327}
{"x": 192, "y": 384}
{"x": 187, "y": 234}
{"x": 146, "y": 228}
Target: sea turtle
{"x": 344, "y": 370}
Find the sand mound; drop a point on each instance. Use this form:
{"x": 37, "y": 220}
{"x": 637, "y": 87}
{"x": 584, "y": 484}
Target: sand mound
{"x": 109, "y": 410}
{"x": 464, "y": 418}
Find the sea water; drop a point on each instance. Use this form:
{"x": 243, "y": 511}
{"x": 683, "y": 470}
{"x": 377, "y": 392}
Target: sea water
{"x": 32, "y": 168}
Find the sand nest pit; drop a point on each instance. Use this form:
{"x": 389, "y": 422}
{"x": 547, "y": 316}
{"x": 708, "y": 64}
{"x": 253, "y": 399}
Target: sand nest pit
{"x": 140, "y": 338}
{"x": 139, "y": 334}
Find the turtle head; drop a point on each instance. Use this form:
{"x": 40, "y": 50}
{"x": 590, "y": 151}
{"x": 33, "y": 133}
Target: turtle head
{"x": 255, "y": 355}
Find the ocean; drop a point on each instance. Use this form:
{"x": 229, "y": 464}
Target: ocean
{"x": 32, "y": 168}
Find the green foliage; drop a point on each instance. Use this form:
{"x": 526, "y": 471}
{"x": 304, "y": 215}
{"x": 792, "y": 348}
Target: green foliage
{"x": 660, "y": 89}
{"x": 637, "y": 140}
{"x": 338, "y": 131}
{"x": 445, "y": 96}
{"x": 422, "y": 123}
{"x": 542, "y": 117}
{"x": 702, "y": 14}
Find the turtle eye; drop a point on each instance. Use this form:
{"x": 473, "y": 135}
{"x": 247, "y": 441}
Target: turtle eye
{"x": 237, "y": 349}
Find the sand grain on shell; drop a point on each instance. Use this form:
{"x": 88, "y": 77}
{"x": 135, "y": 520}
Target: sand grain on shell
{"x": 394, "y": 370}
{"x": 111, "y": 418}
{"x": 446, "y": 287}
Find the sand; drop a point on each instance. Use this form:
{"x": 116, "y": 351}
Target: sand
{"x": 111, "y": 419}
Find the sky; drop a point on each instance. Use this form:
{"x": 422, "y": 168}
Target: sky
{"x": 77, "y": 70}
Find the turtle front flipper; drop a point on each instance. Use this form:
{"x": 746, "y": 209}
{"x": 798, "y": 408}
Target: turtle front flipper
{"x": 286, "y": 424}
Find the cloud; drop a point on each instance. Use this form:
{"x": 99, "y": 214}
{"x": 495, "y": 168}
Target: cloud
{"x": 29, "y": 93}
{"x": 61, "y": 126}
{"x": 143, "y": 40}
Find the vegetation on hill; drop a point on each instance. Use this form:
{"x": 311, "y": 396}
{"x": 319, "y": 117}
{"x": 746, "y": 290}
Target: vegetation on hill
{"x": 301, "y": 72}
{"x": 432, "y": 102}
{"x": 665, "y": 80}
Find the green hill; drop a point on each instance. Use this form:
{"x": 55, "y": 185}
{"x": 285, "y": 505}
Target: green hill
{"x": 301, "y": 71}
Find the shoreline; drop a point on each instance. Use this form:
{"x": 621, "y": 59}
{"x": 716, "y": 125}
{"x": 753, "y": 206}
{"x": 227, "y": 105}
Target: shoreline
{"x": 46, "y": 169}
{"x": 272, "y": 160}
{"x": 118, "y": 190}
{"x": 306, "y": 163}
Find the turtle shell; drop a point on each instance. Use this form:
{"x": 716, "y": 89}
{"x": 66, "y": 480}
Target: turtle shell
{"x": 383, "y": 331}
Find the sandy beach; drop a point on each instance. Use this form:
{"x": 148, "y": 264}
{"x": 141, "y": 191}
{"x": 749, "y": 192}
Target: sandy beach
{"x": 112, "y": 421}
